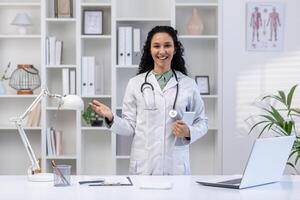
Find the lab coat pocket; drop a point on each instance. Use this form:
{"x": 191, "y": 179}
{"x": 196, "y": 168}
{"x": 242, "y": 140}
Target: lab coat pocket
{"x": 181, "y": 161}
{"x": 138, "y": 162}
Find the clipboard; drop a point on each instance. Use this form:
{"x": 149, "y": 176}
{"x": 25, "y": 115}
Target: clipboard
{"x": 109, "y": 183}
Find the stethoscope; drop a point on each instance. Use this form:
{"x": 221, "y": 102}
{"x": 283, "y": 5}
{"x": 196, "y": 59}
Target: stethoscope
{"x": 173, "y": 113}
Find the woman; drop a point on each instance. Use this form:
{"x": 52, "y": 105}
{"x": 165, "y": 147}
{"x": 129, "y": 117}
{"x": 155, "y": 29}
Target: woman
{"x": 161, "y": 140}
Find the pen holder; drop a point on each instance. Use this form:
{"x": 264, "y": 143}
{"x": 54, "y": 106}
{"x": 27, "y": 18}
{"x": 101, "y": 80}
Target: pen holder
{"x": 62, "y": 175}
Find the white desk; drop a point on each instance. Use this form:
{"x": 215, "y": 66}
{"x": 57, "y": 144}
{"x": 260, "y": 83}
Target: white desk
{"x": 184, "y": 188}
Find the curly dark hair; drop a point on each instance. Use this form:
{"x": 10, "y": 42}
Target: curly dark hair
{"x": 177, "y": 63}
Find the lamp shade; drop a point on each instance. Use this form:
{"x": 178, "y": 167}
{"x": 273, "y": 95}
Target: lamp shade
{"x": 72, "y": 102}
{"x": 21, "y": 19}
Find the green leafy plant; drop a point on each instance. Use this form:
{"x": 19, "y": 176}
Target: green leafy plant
{"x": 91, "y": 117}
{"x": 281, "y": 120}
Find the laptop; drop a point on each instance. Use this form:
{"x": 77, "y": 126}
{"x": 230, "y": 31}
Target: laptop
{"x": 265, "y": 164}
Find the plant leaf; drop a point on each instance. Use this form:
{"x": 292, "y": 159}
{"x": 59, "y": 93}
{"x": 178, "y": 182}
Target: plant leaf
{"x": 282, "y": 97}
{"x": 290, "y": 96}
{"x": 264, "y": 129}
{"x": 258, "y": 123}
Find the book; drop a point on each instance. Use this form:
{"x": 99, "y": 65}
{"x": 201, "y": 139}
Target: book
{"x": 72, "y": 83}
{"x": 58, "y": 52}
{"x": 58, "y": 142}
{"x": 65, "y": 81}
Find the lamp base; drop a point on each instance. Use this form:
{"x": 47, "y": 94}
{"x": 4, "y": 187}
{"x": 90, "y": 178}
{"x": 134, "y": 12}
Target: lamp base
{"x": 41, "y": 177}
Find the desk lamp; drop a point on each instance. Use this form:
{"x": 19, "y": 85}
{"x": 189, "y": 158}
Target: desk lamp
{"x": 70, "y": 102}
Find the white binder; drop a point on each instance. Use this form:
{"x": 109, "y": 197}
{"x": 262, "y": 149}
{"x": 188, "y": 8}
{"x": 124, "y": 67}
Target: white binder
{"x": 121, "y": 46}
{"x": 136, "y": 54}
{"x": 91, "y": 75}
{"x": 128, "y": 46}
{"x": 84, "y": 76}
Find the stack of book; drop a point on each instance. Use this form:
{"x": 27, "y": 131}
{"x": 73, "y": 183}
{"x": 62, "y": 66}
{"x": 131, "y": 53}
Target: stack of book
{"x": 54, "y": 142}
{"x": 53, "y": 51}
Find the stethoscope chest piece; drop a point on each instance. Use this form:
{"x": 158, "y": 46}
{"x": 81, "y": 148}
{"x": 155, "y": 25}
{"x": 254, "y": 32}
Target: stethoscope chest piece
{"x": 173, "y": 114}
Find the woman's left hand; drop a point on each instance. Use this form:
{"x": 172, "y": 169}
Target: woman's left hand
{"x": 180, "y": 129}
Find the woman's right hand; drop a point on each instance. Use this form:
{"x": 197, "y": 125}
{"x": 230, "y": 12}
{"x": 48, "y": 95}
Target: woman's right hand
{"x": 102, "y": 109}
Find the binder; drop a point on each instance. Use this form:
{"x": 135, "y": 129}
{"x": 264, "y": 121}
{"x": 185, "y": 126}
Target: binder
{"x": 121, "y": 46}
{"x": 128, "y": 46}
{"x": 136, "y": 55}
{"x": 65, "y": 81}
{"x": 84, "y": 76}
{"x": 91, "y": 75}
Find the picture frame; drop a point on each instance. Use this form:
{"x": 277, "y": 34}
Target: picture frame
{"x": 92, "y": 22}
{"x": 203, "y": 84}
{"x": 264, "y": 26}
{"x": 63, "y": 8}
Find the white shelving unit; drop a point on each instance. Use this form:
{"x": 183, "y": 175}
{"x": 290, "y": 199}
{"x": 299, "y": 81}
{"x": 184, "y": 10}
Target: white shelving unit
{"x": 94, "y": 150}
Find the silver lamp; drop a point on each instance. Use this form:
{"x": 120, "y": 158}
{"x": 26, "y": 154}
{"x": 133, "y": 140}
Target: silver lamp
{"x": 22, "y": 20}
{"x": 71, "y": 102}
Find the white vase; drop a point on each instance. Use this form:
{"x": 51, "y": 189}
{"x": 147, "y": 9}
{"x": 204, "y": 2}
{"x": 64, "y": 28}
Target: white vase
{"x": 2, "y": 88}
{"x": 195, "y": 24}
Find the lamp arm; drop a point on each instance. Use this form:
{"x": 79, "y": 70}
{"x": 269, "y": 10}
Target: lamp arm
{"x": 43, "y": 93}
{"x": 18, "y": 122}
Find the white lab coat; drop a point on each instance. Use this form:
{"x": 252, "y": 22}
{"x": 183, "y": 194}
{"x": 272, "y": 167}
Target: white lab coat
{"x": 153, "y": 150}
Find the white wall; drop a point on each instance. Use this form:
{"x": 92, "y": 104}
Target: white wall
{"x": 249, "y": 75}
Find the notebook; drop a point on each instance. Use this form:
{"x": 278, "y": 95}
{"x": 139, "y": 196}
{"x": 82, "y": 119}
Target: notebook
{"x": 265, "y": 164}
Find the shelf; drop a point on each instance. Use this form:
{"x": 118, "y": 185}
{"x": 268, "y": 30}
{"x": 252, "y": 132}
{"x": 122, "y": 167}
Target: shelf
{"x": 127, "y": 66}
{"x": 196, "y": 4}
{"x": 95, "y": 4}
{"x": 98, "y": 96}
{"x": 15, "y": 128}
{"x": 88, "y": 128}
{"x": 62, "y": 157}
{"x": 15, "y": 36}
{"x": 198, "y": 37}
{"x": 123, "y": 157}
{"x": 209, "y": 96}
{"x": 133, "y": 19}
{"x": 60, "y": 20}
{"x": 95, "y": 36}
{"x": 60, "y": 66}
{"x": 56, "y": 109}
{"x": 212, "y": 128}
{"x": 10, "y": 96}
{"x": 20, "y": 4}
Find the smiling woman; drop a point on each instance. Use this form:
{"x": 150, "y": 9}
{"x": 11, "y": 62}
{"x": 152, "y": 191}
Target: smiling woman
{"x": 150, "y": 110}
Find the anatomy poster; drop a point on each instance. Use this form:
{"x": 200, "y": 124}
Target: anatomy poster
{"x": 264, "y": 26}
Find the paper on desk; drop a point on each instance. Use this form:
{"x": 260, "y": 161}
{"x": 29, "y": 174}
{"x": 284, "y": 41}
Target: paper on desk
{"x": 155, "y": 185}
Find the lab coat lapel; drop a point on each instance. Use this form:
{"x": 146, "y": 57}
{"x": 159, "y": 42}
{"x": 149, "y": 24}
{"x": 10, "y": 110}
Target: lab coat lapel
{"x": 171, "y": 83}
{"x": 153, "y": 81}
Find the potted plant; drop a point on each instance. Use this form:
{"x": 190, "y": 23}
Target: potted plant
{"x": 281, "y": 120}
{"x": 91, "y": 117}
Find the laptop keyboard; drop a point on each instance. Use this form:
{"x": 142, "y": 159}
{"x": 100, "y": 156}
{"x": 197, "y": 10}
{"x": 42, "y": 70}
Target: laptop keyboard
{"x": 232, "y": 181}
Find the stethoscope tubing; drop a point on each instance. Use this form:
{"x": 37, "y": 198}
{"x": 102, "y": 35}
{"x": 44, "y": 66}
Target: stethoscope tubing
{"x": 146, "y": 83}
